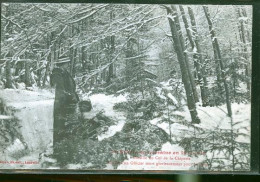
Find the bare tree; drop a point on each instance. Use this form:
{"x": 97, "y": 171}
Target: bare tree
{"x": 182, "y": 44}
{"x": 178, "y": 42}
{"x": 27, "y": 80}
{"x": 245, "y": 38}
{"x": 197, "y": 57}
{"x": 217, "y": 55}
{"x": 111, "y": 52}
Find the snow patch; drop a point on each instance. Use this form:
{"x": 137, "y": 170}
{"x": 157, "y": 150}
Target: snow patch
{"x": 34, "y": 110}
{"x": 105, "y": 103}
{"x": 15, "y": 147}
{"x": 174, "y": 100}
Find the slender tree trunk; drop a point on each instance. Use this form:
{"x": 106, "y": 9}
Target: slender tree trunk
{"x": 219, "y": 58}
{"x": 204, "y": 88}
{"x": 38, "y": 72}
{"x": 244, "y": 37}
{"x": 27, "y": 80}
{"x": 47, "y": 68}
{"x": 111, "y": 52}
{"x": 74, "y": 62}
{"x": 197, "y": 53}
{"x": 8, "y": 83}
{"x": 9, "y": 30}
{"x": 55, "y": 55}
{"x": 248, "y": 34}
{"x": 83, "y": 57}
{"x": 191, "y": 77}
{"x": 73, "y": 53}
{"x": 181, "y": 59}
{"x": 111, "y": 66}
{"x": 234, "y": 70}
{"x": 129, "y": 61}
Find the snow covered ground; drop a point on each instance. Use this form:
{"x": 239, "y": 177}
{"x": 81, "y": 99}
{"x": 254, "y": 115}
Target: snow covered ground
{"x": 211, "y": 118}
{"x": 102, "y": 102}
{"x": 35, "y": 111}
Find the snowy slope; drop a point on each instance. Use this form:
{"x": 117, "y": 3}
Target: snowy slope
{"x": 34, "y": 110}
{"x": 212, "y": 117}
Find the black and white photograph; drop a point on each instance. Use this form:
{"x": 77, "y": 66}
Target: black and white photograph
{"x": 125, "y": 87}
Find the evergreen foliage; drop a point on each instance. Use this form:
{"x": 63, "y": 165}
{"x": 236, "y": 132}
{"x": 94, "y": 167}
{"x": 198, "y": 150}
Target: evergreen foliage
{"x": 223, "y": 150}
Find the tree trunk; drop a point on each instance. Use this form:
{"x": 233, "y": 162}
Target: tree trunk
{"x": 129, "y": 61}
{"x": 8, "y": 83}
{"x": 49, "y": 59}
{"x": 234, "y": 71}
{"x": 83, "y": 57}
{"x": 111, "y": 66}
{"x": 74, "y": 61}
{"x": 248, "y": 34}
{"x": 111, "y": 52}
{"x": 184, "y": 69}
{"x": 197, "y": 53}
{"x": 217, "y": 54}
{"x": 201, "y": 72}
{"x": 191, "y": 77}
{"x": 9, "y": 30}
{"x": 27, "y": 80}
{"x": 244, "y": 37}
{"x": 38, "y": 72}
{"x": 55, "y": 55}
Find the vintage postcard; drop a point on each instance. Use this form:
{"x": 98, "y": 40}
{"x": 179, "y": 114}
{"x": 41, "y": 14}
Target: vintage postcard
{"x": 125, "y": 86}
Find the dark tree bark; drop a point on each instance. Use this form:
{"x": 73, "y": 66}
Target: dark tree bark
{"x": 249, "y": 37}
{"x": 177, "y": 39}
{"x": 234, "y": 69}
{"x": 130, "y": 62}
{"x": 47, "y": 68}
{"x": 38, "y": 72}
{"x": 186, "y": 24}
{"x": 73, "y": 62}
{"x": 217, "y": 54}
{"x": 111, "y": 66}
{"x": 191, "y": 77}
{"x": 9, "y": 29}
{"x": 72, "y": 59}
{"x": 83, "y": 57}
{"x": 111, "y": 52}
{"x": 218, "y": 92}
{"x": 202, "y": 72}
{"x": 27, "y": 77}
{"x": 197, "y": 53}
{"x": 8, "y": 83}
{"x": 55, "y": 54}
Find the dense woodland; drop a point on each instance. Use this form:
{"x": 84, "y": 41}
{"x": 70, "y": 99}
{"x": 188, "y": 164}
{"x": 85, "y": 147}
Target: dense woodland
{"x": 163, "y": 58}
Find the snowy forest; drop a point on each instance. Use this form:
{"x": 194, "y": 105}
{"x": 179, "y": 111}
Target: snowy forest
{"x": 125, "y": 86}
